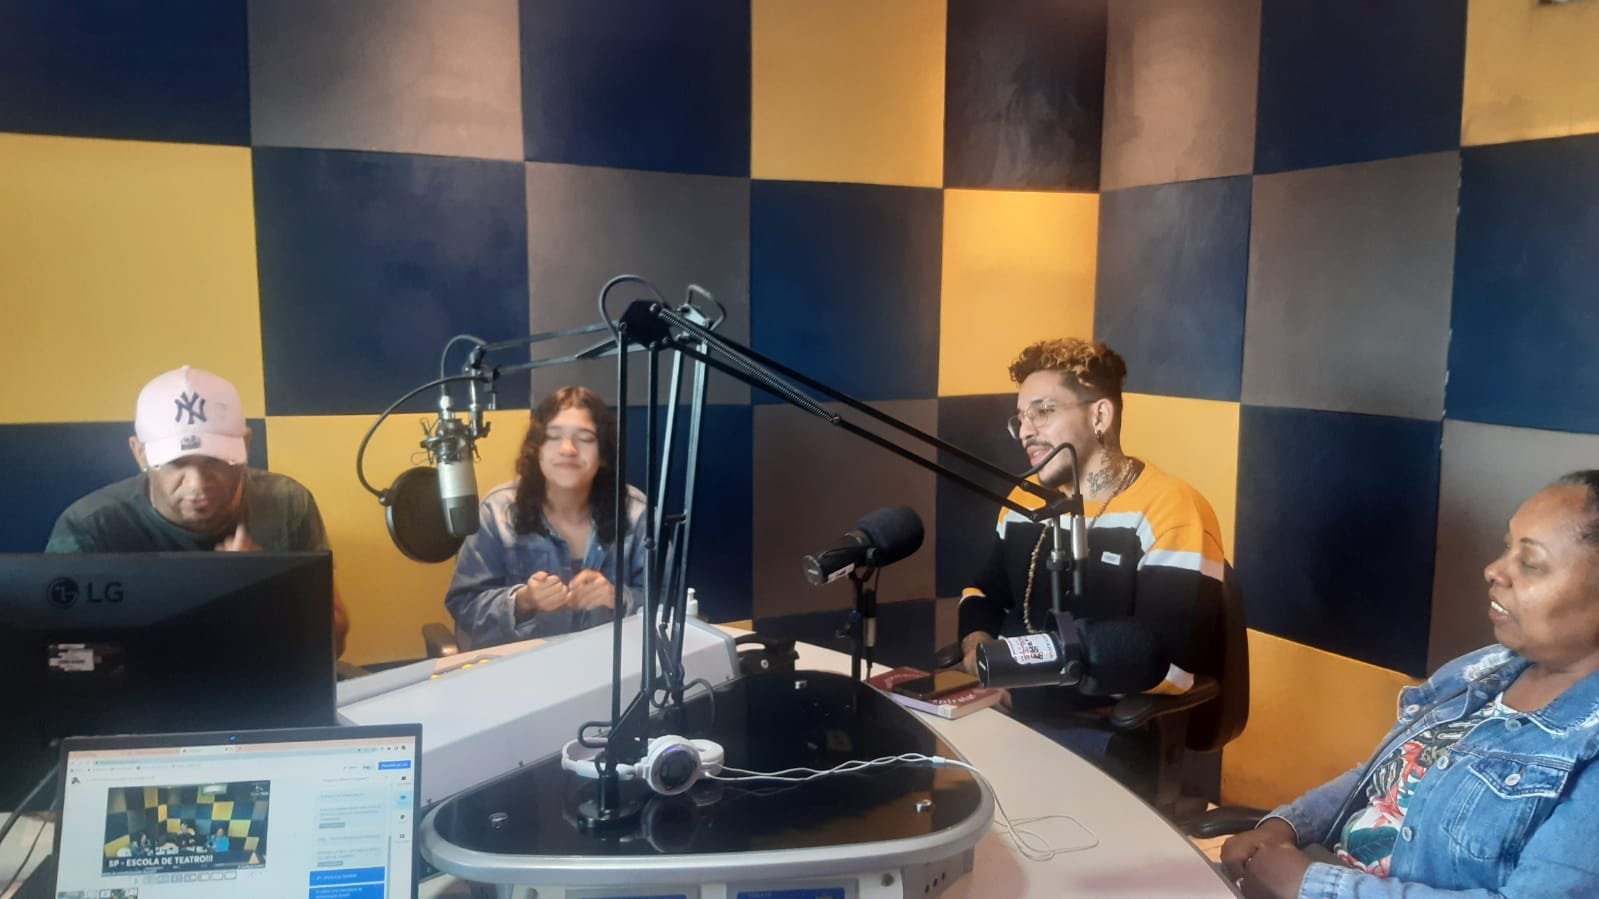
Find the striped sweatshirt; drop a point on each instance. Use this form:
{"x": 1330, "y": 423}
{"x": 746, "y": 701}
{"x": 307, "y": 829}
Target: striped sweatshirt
{"x": 1154, "y": 554}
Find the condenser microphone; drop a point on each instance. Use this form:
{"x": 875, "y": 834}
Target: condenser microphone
{"x": 1099, "y": 658}
{"x": 880, "y": 538}
{"x": 450, "y": 448}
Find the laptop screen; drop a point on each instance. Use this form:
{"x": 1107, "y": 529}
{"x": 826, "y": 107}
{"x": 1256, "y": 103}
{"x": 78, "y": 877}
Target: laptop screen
{"x": 325, "y": 813}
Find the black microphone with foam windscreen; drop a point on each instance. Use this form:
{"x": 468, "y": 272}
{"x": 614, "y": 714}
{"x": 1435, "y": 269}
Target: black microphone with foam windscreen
{"x": 1098, "y": 657}
{"x": 879, "y": 539}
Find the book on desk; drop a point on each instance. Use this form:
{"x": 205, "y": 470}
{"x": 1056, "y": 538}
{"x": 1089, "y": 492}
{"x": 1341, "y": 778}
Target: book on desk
{"x": 950, "y": 705}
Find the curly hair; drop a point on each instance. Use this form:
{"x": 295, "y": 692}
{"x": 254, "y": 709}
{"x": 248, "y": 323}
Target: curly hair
{"x": 528, "y": 509}
{"x": 1088, "y": 368}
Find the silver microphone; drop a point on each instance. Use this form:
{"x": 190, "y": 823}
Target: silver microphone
{"x": 450, "y": 448}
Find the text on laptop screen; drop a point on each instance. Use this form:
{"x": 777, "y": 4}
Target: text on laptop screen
{"x": 324, "y": 819}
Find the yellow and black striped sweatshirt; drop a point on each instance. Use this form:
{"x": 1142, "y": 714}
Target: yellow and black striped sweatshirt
{"x": 1155, "y": 555}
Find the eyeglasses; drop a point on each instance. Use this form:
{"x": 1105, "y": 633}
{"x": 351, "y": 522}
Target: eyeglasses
{"x": 1037, "y": 415}
{"x": 581, "y": 437}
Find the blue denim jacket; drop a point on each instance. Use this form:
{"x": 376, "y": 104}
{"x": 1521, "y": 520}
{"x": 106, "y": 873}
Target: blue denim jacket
{"x": 497, "y": 558}
{"x": 1511, "y": 811}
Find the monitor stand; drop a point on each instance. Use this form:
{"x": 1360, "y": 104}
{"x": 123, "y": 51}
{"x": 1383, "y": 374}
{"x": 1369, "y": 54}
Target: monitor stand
{"x": 891, "y": 831}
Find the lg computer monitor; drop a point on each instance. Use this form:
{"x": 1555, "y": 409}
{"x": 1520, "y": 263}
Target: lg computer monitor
{"x": 153, "y": 643}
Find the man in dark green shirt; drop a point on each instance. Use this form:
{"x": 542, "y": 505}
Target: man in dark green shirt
{"x": 193, "y": 491}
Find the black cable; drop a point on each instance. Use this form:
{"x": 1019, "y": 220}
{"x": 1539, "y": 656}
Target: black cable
{"x": 624, "y": 279}
{"x": 360, "y": 454}
{"x": 444, "y": 356}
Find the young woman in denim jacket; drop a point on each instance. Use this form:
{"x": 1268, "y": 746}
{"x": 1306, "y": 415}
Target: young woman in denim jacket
{"x": 1484, "y": 788}
{"x": 542, "y": 559}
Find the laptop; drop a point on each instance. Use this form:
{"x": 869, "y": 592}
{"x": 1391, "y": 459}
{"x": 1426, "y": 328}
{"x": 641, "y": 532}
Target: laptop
{"x": 321, "y": 813}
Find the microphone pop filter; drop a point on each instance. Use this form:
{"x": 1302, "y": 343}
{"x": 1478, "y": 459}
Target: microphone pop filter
{"x": 416, "y": 519}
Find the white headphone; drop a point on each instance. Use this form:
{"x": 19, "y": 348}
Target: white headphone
{"x": 671, "y": 765}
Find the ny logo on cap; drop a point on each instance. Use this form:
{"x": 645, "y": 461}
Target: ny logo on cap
{"x": 192, "y": 403}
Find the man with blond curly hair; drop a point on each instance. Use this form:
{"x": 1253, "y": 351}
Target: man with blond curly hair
{"x": 1155, "y": 551}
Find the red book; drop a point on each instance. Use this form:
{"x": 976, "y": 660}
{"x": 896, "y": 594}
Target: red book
{"x": 950, "y": 705}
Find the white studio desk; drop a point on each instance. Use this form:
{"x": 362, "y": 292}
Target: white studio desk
{"x": 1139, "y": 854}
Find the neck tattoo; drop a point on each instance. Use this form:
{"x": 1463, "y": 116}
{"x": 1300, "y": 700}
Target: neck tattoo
{"x": 1109, "y": 476}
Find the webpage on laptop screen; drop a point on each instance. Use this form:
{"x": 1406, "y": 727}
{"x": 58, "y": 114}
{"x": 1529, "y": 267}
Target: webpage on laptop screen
{"x": 329, "y": 819}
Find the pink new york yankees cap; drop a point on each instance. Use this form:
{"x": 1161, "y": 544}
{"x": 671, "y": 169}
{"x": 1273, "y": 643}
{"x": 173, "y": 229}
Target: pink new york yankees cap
{"x": 189, "y": 412}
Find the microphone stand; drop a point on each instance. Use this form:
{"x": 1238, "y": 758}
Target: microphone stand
{"x": 688, "y": 333}
{"x": 865, "y": 629}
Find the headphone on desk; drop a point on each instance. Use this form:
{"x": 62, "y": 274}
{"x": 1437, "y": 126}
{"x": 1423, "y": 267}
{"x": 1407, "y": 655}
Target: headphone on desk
{"x": 671, "y": 765}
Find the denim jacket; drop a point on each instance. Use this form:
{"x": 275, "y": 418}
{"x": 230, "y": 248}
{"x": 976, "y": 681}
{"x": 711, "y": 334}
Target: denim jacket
{"x": 497, "y": 558}
{"x": 1511, "y": 811}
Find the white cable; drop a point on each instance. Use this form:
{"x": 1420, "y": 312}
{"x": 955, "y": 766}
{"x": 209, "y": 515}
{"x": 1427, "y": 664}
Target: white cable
{"x": 1029, "y": 843}
{"x": 1039, "y": 850}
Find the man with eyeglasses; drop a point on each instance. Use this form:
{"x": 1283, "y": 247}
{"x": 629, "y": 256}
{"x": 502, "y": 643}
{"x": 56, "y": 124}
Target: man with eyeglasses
{"x": 1155, "y": 550}
{"x": 193, "y": 491}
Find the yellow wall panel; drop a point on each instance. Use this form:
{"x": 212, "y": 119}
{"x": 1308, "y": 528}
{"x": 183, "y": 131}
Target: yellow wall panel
{"x": 1018, "y": 266}
{"x": 1312, "y": 716}
{"x": 1532, "y": 71}
{"x": 848, "y": 90}
{"x": 1196, "y": 440}
{"x": 120, "y": 260}
{"x": 389, "y": 597}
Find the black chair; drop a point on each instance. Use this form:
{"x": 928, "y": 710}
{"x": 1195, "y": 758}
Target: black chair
{"x": 441, "y": 640}
{"x": 1202, "y": 720}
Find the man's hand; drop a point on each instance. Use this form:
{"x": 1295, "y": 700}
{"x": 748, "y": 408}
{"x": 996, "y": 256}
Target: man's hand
{"x": 1240, "y": 850}
{"x": 239, "y": 541}
{"x": 1275, "y": 872}
{"x": 969, "y": 650}
{"x": 544, "y": 593}
{"x": 590, "y": 590}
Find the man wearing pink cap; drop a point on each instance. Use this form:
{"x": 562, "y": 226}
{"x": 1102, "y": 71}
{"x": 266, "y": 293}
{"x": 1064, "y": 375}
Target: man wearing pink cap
{"x": 193, "y": 491}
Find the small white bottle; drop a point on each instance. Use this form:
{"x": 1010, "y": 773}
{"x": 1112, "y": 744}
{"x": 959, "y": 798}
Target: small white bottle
{"x": 692, "y": 607}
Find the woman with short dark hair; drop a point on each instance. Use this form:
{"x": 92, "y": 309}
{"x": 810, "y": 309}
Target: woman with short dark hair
{"x": 1485, "y": 787}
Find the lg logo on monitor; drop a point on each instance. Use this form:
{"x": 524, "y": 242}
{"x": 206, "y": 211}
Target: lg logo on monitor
{"x": 64, "y": 592}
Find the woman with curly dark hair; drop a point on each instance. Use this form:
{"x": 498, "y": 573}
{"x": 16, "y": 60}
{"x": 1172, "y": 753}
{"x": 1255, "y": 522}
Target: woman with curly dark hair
{"x": 543, "y": 560}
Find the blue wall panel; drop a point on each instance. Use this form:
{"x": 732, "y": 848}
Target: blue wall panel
{"x": 1526, "y": 306}
{"x": 1336, "y": 526}
{"x": 1356, "y": 80}
{"x": 370, "y": 261}
{"x": 1171, "y": 294}
{"x": 642, "y": 85}
{"x": 177, "y": 70}
{"x": 845, "y": 282}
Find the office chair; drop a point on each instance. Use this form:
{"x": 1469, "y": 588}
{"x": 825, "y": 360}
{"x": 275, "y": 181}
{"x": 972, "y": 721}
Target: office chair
{"x": 440, "y": 640}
